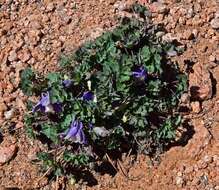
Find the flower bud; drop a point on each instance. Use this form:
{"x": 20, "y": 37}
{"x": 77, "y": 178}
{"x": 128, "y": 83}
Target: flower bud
{"x": 89, "y": 85}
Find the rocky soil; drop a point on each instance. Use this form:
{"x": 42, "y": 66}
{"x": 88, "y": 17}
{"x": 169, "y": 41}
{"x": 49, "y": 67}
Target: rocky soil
{"x": 36, "y": 33}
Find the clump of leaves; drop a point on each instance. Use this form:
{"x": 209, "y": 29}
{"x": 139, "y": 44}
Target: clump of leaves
{"x": 27, "y": 77}
{"x": 116, "y": 93}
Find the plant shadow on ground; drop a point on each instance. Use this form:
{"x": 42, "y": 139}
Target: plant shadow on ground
{"x": 186, "y": 135}
{"x": 107, "y": 168}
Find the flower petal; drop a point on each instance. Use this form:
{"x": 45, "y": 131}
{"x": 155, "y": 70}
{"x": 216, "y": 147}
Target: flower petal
{"x": 90, "y": 126}
{"x": 87, "y": 96}
{"x": 80, "y": 138}
{"x": 67, "y": 83}
{"x": 45, "y": 99}
{"x": 57, "y": 107}
{"x": 140, "y": 73}
{"x": 72, "y": 132}
{"x": 37, "y": 107}
{"x": 76, "y": 133}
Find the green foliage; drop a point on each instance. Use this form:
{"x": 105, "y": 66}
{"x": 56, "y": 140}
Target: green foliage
{"x": 65, "y": 61}
{"x": 49, "y": 163}
{"x": 141, "y": 10}
{"x": 75, "y": 159}
{"x": 27, "y": 76}
{"x": 50, "y": 132}
{"x": 29, "y": 120}
{"x": 125, "y": 112}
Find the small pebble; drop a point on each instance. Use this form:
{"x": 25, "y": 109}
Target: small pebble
{"x": 212, "y": 58}
{"x": 120, "y": 6}
{"x": 188, "y": 35}
{"x": 195, "y": 33}
{"x": 172, "y": 53}
{"x": 208, "y": 159}
{"x": 215, "y": 23}
{"x": 179, "y": 181}
{"x": 50, "y": 7}
{"x": 9, "y": 114}
{"x": 12, "y": 56}
{"x": 3, "y": 107}
{"x": 189, "y": 169}
{"x": 196, "y": 107}
{"x": 185, "y": 98}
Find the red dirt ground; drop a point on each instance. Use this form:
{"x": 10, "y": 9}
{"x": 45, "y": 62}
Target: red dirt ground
{"x": 36, "y": 33}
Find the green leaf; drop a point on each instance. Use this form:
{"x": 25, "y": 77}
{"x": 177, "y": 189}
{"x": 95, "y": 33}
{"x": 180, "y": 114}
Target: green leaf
{"x": 58, "y": 171}
{"x": 28, "y": 122}
{"x": 58, "y": 94}
{"x": 139, "y": 9}
{"x": 65, "y": 61}
{"x": 53, "y": 78}
{"x": 44, "y": 156}
{"x": 51, "y": 132}
{"x": 27, "y": 78}
{"x": 182, "y": 85}
{"x": 67, "y": 121}
{"x": 167, "y": 131}
{"x": 76, "y": 159}
{"x": 145, "y": 54}
{"x": 48, "y": 160}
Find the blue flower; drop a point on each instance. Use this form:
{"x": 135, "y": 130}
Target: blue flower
{"x": 90, "y": 125}
{"x": 140, "y": 73}
{"x": 76, "y": 132}
{"x": 67, "y": 83}
{"x": 45, "y": 105}
{"x": 57, "y": 107}
{"x": 87, "y": 96}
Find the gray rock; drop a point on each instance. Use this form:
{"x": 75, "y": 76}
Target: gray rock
{"x": 101, "y": 131}
{"x": 160, "y": 34}
{"x": 9, "y": 114}
{"x": 215, "y": 23}
{"x": 172, "y": 53}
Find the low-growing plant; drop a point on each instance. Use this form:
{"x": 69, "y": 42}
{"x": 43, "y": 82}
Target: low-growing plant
{"x": 116, "y": 93}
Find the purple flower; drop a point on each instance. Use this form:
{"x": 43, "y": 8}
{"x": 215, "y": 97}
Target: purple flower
{"x": 45, "y": 105}
{"x": 90, "y": 126}
{"x": 87, "y": 96}
{"x": 57, "y": 107}
{"x": 67, "y": 83}
{"x": 140, "y": 73}
{"x": 76, "y": 132}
